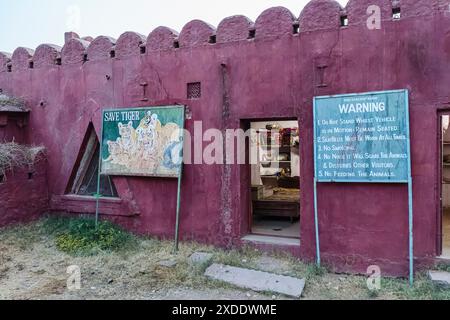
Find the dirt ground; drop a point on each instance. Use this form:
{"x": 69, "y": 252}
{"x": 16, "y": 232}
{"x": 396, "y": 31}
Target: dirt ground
{"x": 31, "y": 267}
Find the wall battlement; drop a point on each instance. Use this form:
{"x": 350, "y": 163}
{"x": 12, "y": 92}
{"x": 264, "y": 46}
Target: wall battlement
{"x": 273, "y": 22}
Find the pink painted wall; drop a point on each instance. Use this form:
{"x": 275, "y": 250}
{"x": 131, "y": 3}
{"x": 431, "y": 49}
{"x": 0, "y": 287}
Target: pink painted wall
{"x": 24, "y": 198}
{"x": 12, "y": 127}
{"x": 272, "y": 75}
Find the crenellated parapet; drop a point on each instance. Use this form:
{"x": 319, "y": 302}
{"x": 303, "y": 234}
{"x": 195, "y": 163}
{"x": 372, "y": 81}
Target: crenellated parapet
{"x": 21, "y": 58}
{"x": 319, "y": 15}
{"x": 234, "y": 28}
{"x": 101, "y": 48}
{"x": 273, "y": 22}
{"x": 74, "y": 51}
{"x": 416, "y": 8}
{"x": 357, "y": 10}
{"x": 129, "y": 43}
{"x": 196, "y": 33}
{"x": 162, "y": 38}
{"x": 5, "y": 60}
{"x": 277, "y": 21}
{"x": 46, "y": 55}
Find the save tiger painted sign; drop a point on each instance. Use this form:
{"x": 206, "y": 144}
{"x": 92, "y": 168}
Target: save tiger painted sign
{"x": 142, "y": 142}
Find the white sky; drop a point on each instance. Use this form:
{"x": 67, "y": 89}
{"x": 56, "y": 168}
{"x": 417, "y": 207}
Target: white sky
{"x": 29, "y": 23}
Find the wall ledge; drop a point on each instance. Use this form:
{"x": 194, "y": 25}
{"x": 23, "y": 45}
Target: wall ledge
{"x": 87, "y": 205}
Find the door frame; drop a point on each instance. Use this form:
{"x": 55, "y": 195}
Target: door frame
{"x": 440, "y": 175}
{"x": 246, "y": 123}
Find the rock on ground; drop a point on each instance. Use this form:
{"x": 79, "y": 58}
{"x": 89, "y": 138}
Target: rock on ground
{"x": 200, "y": 258}
{"x": 168, "y": 263}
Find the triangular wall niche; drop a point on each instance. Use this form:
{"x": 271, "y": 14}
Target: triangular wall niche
{"x": 84, "y": 177}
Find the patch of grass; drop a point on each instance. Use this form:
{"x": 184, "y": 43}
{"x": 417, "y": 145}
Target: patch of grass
{"x": 373, "y": 293}
{"x": 443, "y": 267}
{"x": 79, "y": 236}
{"x": 313, "y": 270}
{"x": 241, "y": 258}
{"x": 423, "y": 289}
{"x": 136, "y": 260}
{"x": 200, "y": 268}
{"x": 21, "y": 236}
{"x": 54, "y": 225}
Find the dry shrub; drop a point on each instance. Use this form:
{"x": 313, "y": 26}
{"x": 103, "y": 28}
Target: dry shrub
{"x": 13, "y": 155}
{"x": 12, "y": 104}
{"x": 11, "y": 101}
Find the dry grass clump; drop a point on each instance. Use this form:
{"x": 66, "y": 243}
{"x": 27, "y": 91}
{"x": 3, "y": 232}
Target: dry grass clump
{"x": 11, "y": 104}
{"x": 11, "y": 101}
{"x": 13, "y": 155}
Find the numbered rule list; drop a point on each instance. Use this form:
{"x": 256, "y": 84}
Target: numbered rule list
{"x": 362, "y": 138}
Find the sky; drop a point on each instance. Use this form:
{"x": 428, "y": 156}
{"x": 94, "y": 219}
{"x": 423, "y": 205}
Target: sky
{"x": 29, "y": 23}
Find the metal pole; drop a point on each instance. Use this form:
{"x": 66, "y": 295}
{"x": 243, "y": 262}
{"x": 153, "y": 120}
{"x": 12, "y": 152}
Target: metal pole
{"x": 410, "y": 194}
{"x": 180, "y": 176}
{"x": 98, "y": 195}
{"x": 316, "y": 215}
{"x": 411, "y": 234}
{"x": 177, "y": 224}
{"x": 316, "y": 221}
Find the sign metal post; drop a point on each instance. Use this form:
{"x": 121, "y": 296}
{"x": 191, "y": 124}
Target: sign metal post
{"x": 180, "y": 176}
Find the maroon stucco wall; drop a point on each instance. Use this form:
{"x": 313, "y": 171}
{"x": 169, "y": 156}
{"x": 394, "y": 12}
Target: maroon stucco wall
{"x": 12, "y": 127}
{"x": 274, "y": 75}
{"x": 24, "y": 194}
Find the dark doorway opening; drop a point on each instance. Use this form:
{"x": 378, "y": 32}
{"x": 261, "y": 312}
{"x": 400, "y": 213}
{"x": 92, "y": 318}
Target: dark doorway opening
{"x": 275, "y": 178}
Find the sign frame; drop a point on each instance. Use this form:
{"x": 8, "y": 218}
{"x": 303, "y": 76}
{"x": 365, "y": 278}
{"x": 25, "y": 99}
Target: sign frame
{"x": 407, "y": 132}
{"x": 131, "y": 174}
{"x": 407, "y": 181}
{"x": 98, "y": 196}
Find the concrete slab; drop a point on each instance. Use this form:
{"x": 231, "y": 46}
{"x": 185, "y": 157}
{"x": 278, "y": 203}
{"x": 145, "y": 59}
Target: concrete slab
{"x": 200, "y": 258}
{"x": 440, "y": 278}
{"x": 256, "y": 280}
{"x": 272, "y": 240}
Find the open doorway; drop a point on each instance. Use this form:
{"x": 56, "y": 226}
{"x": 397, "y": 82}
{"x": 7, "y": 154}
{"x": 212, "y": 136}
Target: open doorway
{"x": 445, "y": 189}
{"x": 275, "y": 179}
